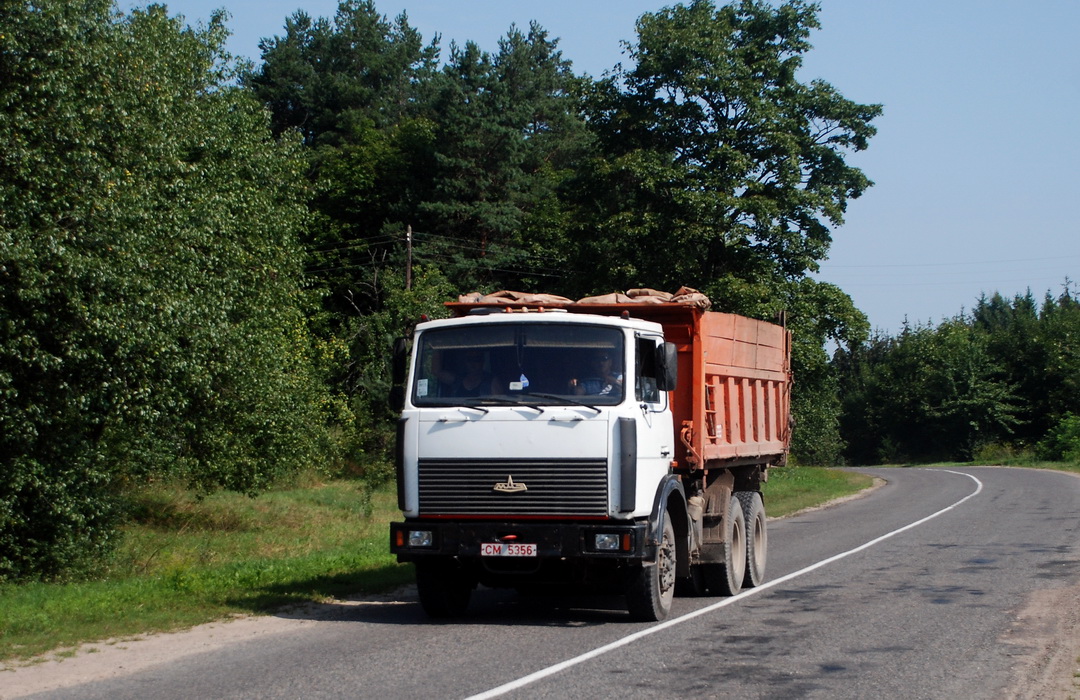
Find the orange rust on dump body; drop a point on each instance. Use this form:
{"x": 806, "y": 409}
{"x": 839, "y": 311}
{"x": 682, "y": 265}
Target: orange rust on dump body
{"x": 734, "y": 393}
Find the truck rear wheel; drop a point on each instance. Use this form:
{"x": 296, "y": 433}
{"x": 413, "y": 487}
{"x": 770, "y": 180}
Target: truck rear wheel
{"x": 727, "y": 578}
{"x": 443, "y": 586}
{"x": 757, "y": 537}
{"x": 652, "y": 586}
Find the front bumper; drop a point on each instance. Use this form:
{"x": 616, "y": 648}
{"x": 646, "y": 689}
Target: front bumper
{"x": 553, "y": 540}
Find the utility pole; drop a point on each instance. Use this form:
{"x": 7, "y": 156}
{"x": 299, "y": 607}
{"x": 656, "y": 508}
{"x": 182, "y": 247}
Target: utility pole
{"x": 408, "y": 257}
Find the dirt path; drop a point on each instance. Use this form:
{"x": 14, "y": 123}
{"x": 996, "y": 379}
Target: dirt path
{"x": 1048, "y": 628}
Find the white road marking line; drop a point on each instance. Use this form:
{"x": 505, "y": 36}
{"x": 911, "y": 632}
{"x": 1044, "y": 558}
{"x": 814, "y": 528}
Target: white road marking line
{"x": 629, "y": 639}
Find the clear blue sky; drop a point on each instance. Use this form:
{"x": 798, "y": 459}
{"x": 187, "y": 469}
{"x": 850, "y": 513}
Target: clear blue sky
{"x": 977, "y": 157}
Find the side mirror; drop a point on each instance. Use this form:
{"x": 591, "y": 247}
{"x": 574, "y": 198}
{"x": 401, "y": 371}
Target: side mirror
{"x": 397, "y": 398}
{"x": 400, "y": 361}
{"x": 667, "y": 367}
{"x": 399, "y": 371}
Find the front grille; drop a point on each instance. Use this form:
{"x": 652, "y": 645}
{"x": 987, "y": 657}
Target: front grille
{"x": 553, "y": 487}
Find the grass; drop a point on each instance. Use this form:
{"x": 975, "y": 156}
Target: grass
{"x": 790, "y": 489}
{"x": 1012, "y": 456}
{"x": 185, "y": 560}
{"x": 1057, "y": 466}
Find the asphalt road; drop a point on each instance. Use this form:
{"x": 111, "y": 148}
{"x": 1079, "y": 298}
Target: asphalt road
{"x": 912, "y": 591}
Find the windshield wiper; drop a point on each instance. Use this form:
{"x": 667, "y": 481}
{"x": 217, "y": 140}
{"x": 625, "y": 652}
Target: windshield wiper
{"x": 505, "y": 402}
{"x": 474, "y": 407}
{"x": 565, "y": 400}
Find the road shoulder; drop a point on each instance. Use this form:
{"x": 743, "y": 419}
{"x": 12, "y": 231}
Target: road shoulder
{"x": 1047, "y": 637}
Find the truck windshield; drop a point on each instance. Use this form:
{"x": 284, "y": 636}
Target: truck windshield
{"x": 526, "y": 363}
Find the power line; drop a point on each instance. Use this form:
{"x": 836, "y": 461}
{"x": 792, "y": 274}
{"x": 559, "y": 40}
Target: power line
{"x": 942, "y": 283}
{"x": 951, "y": 264}
{"x": 548, "y": 272}
{"x": 446, "y": 241}
{"x": 359, "y": 243}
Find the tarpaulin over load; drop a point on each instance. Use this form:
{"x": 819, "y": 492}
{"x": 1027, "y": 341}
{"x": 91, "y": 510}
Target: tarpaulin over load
{"x": 685, "y": 295}
{"x": 508, "y": 297}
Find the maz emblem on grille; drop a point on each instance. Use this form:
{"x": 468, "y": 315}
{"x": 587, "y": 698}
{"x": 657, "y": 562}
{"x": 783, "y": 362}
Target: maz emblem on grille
{"x": 509, "y": 486}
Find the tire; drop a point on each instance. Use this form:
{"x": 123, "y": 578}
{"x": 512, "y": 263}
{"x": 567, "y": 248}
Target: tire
{"x": 727, "y": 578}
{"x": 444, "y": 587}
{"x": 692, "y": 586}
{"x": 651, "y": 587}
{"x": 757, "y": 537}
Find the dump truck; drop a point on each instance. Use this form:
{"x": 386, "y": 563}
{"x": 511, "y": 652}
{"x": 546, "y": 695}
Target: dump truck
{"x": 613, "y": 445}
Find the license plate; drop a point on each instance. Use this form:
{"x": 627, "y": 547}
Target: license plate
{"x": 507, "y": 549}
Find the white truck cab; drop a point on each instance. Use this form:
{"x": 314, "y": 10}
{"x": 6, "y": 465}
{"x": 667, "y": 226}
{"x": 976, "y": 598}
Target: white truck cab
{"x": 498, "y": 401}
{"x": 530, "y": 444}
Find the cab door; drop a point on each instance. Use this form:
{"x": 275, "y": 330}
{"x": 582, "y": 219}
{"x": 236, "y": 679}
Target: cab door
{"x": 655, "y": 433}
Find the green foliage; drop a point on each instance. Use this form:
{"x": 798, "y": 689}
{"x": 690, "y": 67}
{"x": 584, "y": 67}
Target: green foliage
{"x": 1058, "y": 338}
{"x": 715, "y": 163}
{"x": 818, "y": 314}
{"x": 355, "y": 88}
{"x": 367, "y": 375}
{"x": 939, "y": 395}
{"x": 1063, "y": 440}
{"x": 465, "y": 156}
{"x": 52, "y": 509}
{"x": 1005, "y": 375}
{"x": 1006, "y": 453}
{"x": 1013, "y": 329}
{"x": 325, "y": 78}
{"x": 470, "y": 156}
{"x": 508, "y": 133}
{"x": 152, "y": 315}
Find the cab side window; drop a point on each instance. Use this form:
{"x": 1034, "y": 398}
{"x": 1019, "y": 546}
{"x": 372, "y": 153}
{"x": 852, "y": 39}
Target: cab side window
{"x": 646, "y": 371}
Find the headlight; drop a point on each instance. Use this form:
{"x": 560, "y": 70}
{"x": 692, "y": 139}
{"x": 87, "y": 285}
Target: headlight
{"x": 420, "y": 538}
{"x": 607, "y": 542}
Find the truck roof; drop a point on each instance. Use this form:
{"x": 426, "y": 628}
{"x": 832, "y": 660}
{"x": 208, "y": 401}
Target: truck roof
{"x": 669, "y": 313}
{"x": 545, "y": 315}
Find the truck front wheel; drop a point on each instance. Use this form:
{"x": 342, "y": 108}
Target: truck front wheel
{"x": 444, "y": 587}
{"x": 652, "y": 585}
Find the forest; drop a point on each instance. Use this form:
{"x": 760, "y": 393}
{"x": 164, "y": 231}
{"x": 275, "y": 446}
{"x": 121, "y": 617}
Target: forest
{"x": 205, "y": 261}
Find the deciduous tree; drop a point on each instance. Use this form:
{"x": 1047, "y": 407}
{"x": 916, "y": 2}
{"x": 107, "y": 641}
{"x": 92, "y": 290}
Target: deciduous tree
{"x": 717, "y": 163}
{"x": 152, "y": 313}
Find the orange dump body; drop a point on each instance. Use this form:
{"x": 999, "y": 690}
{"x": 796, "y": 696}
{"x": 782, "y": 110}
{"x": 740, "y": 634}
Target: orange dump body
{"x": 733, "y": 400}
